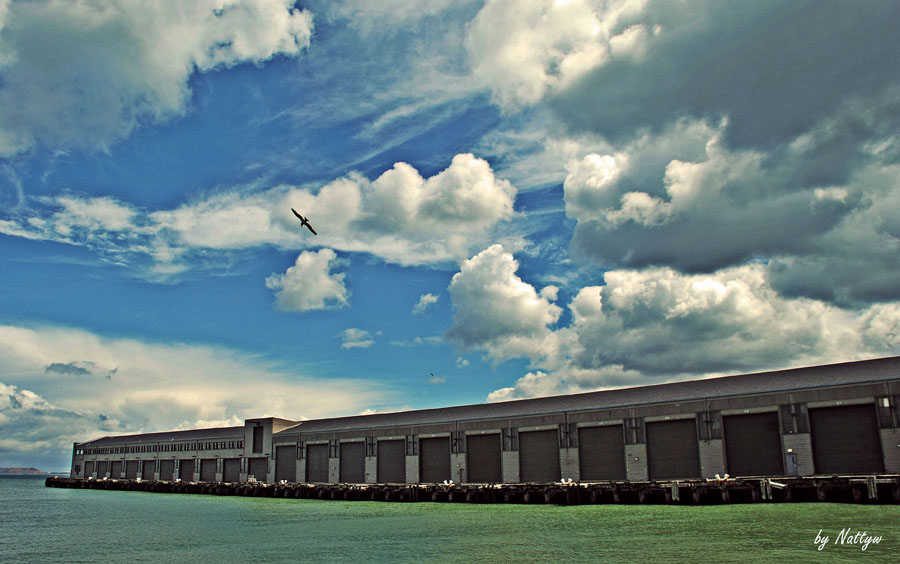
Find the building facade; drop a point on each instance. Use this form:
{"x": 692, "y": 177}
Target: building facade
{"x": 840, "y": 419}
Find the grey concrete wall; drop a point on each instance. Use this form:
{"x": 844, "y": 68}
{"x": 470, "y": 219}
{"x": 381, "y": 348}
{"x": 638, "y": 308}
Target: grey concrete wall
{"x": 334, "y": 470}
{"x": 412, "y": 469}
{"x": 371, "y": 469}
{"x": 890, "y": 444}
{"x": 568, "y": 463}
{"x": 801, "y": 445}
{"x": 636, "y": 462}
{"x": 458, "y": 467}
{"x": 509, "y": 462}
{"x": 301, "y": 470}
{"x": 712, "y": 457}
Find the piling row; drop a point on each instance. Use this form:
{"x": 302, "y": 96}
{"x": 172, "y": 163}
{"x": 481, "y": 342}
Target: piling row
{"x": 845, "y": 489}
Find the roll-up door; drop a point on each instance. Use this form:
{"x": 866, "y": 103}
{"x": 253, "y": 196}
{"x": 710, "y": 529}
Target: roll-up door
{"x": 392, "y": 462}
{"x": 353, "y": 463}
{"x": 601, "y": 452}
{"x": 231, "y": 470}
{"x": 483, "y": 458}
{"x": 672, "y": 450}
{"x": 186, "y": 470}
{"x": 317, "y": 463}
{"x": 102, "y": 468}
{"x": 753, "y": 445}
{"x": 167, "y": 470}
{"x": 539, "y": 456}
{"x": 434, "y": 459}
{"x": 286, "y": 463}
{"x": 88, "y": 468}
{"x": 845, "y": 440}
{"x": 148, "y": 469}
{"x": 131, "y": 469}
{"x": 116, "y": 469}
{"x": 258, "y": 468}
{"x": 208, "y": 470}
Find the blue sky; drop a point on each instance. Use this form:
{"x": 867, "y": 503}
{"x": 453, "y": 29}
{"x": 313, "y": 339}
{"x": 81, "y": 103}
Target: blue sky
{"x": 513, "y": 199}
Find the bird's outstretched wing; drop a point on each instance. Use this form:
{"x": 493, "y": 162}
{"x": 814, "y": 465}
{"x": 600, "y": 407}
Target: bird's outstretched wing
{"x": 304, "y": 221}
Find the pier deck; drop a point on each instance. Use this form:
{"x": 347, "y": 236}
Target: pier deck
{"x": 845, "y": 489}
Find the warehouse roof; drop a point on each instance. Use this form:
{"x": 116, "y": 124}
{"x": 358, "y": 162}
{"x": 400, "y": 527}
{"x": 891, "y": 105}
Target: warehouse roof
{"x": 745, "y": 384}
{"x": 217, "y": 433}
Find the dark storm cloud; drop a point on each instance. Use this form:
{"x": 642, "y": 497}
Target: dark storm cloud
{"x": 81, "y": 369}
{"x": 775, "y": 68}
{"x": 801, "y": 106}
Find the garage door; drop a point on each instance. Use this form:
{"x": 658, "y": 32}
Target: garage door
{"x": 167, "y": 470}
{"x": 286, "y": 463}
{"x": 845, "y": 440}
{"x": 88, "y": 468}
{"x": 231, "y": 470}
{"x": 186, "y": 470}
{"x": 148, "y": 470}
{"x": 115, "y": 469}
{"x": 434, "y": 460}
{"x": 392, "y": 462}
{"x": 539, "y": 456}
{"x": 353, "y": 463}
{"x": 672, "y": 450}
{"x": 131, "y": 469}
{"x": 317, "y": 463}
{"x": 483, "y": 458}
{"x": 601, "y": 452}
{"x": 258, "y": 468}
{"x": 208, "y": 470}
{"x": 753, "y": 445}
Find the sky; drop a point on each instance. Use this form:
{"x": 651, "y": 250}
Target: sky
{"x": 512, "y": 198}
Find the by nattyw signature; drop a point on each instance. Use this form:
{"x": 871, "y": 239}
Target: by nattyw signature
{"x": 847, "y": 536}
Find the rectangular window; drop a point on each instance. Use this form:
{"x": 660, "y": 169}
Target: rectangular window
{"x": 511, "y": 439}
{"x": 794, "y": 418}
{"x": 710, "y": 425}
{"x": 634, "y": 431}
{"x": 258, "y": 435}
{"x": 886, "y": 410}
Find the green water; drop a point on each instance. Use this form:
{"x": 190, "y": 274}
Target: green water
{"x": 39, "y": 524}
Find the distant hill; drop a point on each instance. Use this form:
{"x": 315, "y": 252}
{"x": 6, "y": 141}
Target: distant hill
{"x": 25, "y": 472}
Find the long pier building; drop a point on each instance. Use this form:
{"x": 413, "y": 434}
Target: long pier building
{"x": 839, "y": 419}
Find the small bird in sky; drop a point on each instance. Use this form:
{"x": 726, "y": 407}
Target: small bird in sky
{"x": 304, "y": 221}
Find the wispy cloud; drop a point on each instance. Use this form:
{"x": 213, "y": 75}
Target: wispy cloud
{"x": 62, "y": 384}
{"x": 354, "y": 338}
{"x": 425, "y": 300}
{"x": 399, "y": 217}
{"x": 61, "y": 92}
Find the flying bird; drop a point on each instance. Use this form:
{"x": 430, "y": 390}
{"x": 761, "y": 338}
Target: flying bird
{"x": 304, "y": 221}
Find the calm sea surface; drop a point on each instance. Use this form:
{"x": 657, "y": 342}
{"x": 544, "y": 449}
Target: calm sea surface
{"x": 39, "y": 524}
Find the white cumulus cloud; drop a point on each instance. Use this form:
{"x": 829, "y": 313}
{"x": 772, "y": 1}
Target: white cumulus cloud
{"x": 523, "y": 50}
{"x": 496, "y": 310}
{"x": 655, "y": 324}
{"x": 310, "y": 284}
